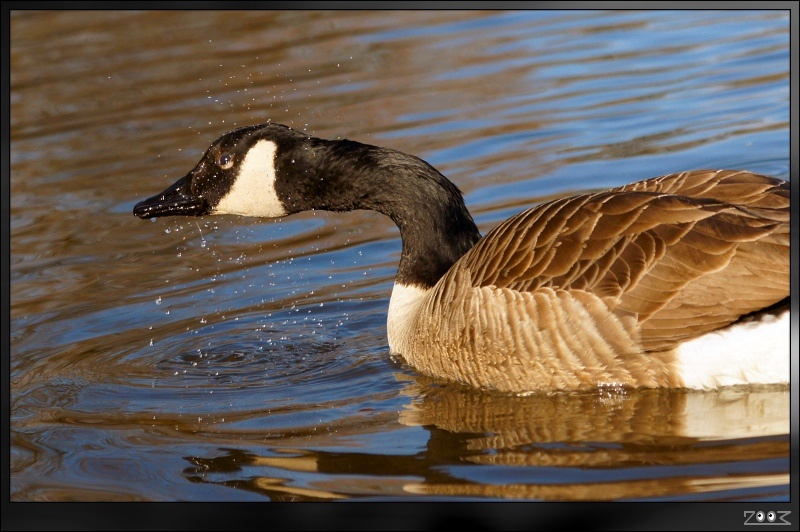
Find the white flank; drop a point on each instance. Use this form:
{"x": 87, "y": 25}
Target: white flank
{"x": 753, "y": 352}
{"x": 404, "y": 307}
{"x": 253, "y": 192}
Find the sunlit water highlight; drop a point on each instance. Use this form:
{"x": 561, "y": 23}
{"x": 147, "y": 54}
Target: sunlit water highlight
{"x": 240, "y": 359}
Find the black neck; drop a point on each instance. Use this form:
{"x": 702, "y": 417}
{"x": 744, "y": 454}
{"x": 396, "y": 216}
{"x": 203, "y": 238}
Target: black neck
{"x": 435, "y": 226}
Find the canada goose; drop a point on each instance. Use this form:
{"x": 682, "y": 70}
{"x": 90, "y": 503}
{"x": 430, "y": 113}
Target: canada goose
{"x": 675, "y": 281}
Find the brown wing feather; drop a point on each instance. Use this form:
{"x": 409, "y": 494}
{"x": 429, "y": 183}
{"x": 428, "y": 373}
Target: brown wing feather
{"x": 682, "y": 254}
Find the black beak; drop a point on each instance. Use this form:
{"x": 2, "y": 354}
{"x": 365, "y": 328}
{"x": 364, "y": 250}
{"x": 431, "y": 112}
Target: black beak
{"x": 177, "y": 200}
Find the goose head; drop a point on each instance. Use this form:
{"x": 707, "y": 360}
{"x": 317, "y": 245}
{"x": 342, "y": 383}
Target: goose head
{"x": 238, "y": 174}
{"x": 271, "y": 170}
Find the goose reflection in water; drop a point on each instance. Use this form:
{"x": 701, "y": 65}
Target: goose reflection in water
{"x": 645, "y": 444}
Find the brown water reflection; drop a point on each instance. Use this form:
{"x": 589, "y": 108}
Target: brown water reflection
{"x": 619, "y": 434}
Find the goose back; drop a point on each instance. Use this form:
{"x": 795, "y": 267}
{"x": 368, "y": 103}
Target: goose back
{"x": 602, "y": 288}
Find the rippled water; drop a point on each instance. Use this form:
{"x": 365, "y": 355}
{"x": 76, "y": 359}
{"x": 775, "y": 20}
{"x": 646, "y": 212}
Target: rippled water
{"x": 246, "y": 360}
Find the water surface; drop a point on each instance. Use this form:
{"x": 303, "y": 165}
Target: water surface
{"x": 234, "y": 359}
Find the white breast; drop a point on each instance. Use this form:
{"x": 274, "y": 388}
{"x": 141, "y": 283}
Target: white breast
{"x": 404, "y": 307}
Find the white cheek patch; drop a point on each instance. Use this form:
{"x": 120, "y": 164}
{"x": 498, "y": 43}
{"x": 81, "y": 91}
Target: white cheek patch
{"x": 253, "y": 192}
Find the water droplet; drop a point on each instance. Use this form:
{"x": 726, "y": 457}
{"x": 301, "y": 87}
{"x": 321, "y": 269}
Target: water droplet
{"x": 158, "y": 300}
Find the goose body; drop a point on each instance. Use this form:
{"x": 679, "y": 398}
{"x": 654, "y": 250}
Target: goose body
{"x": 675, "y": 281}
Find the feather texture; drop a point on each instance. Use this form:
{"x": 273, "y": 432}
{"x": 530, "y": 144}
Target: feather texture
{"x": 600, "y": 289}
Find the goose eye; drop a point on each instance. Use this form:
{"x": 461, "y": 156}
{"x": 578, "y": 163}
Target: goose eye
{"x": 225, "y": 160}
